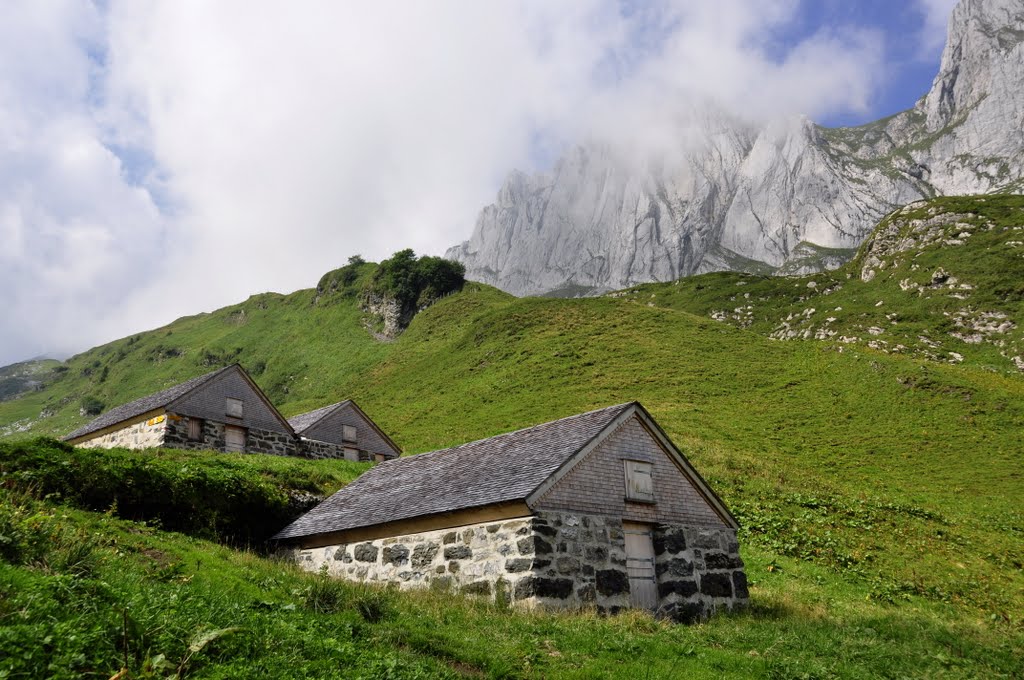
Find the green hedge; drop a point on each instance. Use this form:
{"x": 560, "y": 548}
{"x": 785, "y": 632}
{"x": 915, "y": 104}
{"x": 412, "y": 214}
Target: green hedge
{"x": 204, "y": 494}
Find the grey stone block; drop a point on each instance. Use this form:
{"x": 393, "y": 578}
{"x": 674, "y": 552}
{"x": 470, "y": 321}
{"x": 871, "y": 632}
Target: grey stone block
{"x": 365, "y": 552}
{"x": 716, "y": 585}
{"x": 721, "y": 561}
{"x": 396, "y": 555}
{"x": 424, "y": 554}
{"x": 535, "y": 586}
{"x": 477, "y": 588}
{"x": 739, "y": 584}
{"x": 519, "y": 564}
{"x": 681, "y": 588}
{"x": 612, "y": 582}
{"x": 458, "y": 552}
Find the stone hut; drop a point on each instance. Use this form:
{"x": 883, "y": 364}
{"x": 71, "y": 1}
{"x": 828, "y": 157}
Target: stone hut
{"x": 599, "y": 509}
{"x": 343, "y": 430}
{"x": 222, "y": 410}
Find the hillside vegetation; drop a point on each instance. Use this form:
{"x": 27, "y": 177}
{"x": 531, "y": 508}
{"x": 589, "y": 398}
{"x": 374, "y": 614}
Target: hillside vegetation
{"x": 879, "y": 483}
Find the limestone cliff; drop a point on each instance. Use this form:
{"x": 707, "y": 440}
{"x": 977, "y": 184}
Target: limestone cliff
{"x": 789, "y": 197}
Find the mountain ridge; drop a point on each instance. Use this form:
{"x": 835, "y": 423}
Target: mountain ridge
{"x": 750, "y": 197}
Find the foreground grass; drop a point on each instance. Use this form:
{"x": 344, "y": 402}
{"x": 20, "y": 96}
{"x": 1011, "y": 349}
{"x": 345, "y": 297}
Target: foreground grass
{"x": 85, "y": 595}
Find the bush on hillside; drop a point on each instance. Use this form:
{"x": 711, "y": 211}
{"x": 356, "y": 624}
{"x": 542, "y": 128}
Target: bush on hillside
{"x": 414, "y": 282}
{"x": 218, "y": 499}
{"x": 91, "y": 406}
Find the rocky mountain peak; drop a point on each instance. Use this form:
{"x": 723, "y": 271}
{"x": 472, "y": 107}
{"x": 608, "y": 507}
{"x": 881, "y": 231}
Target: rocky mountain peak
{"x": 982, "y": 37}
{"x": 788, "y": 197}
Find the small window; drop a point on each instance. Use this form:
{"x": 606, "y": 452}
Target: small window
{"x": 195, "y": 429}
{"x": 379, "y": 457}
{"x": 348, "y": 433}
{"x": 234, "y": 408}
{"x": 351, "y": 454}
{"x": 639, "y": 481}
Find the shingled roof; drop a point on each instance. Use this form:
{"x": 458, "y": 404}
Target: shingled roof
{"x": 148, "y": 403}
{"x": 304, "y": 421}
{"x": 502, "y": 469}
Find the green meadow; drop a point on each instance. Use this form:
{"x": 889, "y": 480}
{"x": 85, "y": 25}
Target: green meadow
{"x": 880, "y": 488}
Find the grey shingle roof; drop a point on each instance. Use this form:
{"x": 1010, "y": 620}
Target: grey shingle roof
{"x": 148, "y": 403}
{"x": 305, "y": 421}
{"x": 505, "y": 468}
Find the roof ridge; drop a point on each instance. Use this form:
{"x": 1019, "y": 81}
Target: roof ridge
{"x": 513, "y": 432}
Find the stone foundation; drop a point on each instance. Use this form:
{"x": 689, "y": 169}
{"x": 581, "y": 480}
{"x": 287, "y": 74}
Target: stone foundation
{"x": 311, "y": 448}
{"x": 256, "y": 440}
{"x": 553, "y": 559}
{"x": 699, "y": 571}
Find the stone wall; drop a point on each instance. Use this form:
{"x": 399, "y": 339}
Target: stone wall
{"x": 699, "y": 571}
{"x": 555, "y": 560}
{"x": 141, "y": 435}
{"x": 311, "y": 448}
{"x": 256, "y": 440}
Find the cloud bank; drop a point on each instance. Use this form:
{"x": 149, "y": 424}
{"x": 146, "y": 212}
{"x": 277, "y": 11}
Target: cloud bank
{"x": 159, "y": 159}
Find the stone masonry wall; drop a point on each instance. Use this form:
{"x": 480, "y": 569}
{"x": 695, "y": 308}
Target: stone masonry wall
{"x": 555, "y": 560}
{"x": 141, "y": 435}
{"x": 699, "y": 571}
{"x": 256, "y": 440}
{"x": 310, "y": 448}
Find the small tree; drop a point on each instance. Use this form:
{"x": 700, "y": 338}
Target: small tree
{"x": 91, "y": 406}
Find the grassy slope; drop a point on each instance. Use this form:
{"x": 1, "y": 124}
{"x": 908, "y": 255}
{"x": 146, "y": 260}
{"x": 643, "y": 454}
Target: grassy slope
{"x": 86, "y": 594}
{"x": 850, "y": 468}
{"x": 913, "y": 321}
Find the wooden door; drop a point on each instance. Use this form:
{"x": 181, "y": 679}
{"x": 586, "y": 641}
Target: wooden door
{"x": 643, "y": 584}
{"x": 234, "y": 438}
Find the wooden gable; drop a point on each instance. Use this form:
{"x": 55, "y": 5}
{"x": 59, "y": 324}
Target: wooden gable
{"x": 665, "y": 487}
{"x": 368, "y": 437}
{"x": 226, "y": 396}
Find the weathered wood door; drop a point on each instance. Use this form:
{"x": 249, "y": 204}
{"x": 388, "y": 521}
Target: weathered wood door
{"x": 643, "y": 584}
{"x": 234, "y": 438}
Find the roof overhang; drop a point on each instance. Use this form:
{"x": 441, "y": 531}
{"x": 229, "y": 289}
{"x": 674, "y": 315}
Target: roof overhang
{"x": 119, "y": 425}
{"x": 413, "y": 525}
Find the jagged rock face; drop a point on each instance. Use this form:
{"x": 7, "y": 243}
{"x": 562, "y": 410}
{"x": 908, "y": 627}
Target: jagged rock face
{"x": 791, "y": 197}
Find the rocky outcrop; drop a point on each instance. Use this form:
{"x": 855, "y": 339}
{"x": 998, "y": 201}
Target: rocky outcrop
{"x": 789, "y": 197}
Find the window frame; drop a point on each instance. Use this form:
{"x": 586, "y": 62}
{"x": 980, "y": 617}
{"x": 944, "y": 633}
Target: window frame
{"x": 349, "y": 433}
{"x": 632, "y": 469}
{"x": 231, "y": 405}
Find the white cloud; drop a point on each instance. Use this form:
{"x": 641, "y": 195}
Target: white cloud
{"x": 279, "y": 138}
{"x": 73, "y": 234}
{"x": 936, "y": 17}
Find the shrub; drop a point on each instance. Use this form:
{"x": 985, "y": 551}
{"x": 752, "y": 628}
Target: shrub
{"x": 218, "y": 499}
{"x": 416, "y": 282}
{"x": 91, "y": 406}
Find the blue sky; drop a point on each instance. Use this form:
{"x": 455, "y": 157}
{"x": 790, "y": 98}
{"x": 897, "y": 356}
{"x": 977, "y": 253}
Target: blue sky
{"x": 910, "y": 65}
{"x": 141, "y": 141}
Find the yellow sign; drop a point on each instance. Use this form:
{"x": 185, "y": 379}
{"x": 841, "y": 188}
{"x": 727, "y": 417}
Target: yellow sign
{"x": 154, "y": 421}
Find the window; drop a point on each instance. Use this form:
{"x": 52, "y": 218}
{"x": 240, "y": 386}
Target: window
{"x": 639, "y": 481}
{"x": 348, "y": 433}
{"x": 195, "y": 429}
{"x": 351, "y": 454}
{"x": 234, "y": 408}
{"x": 379, "y": 457}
